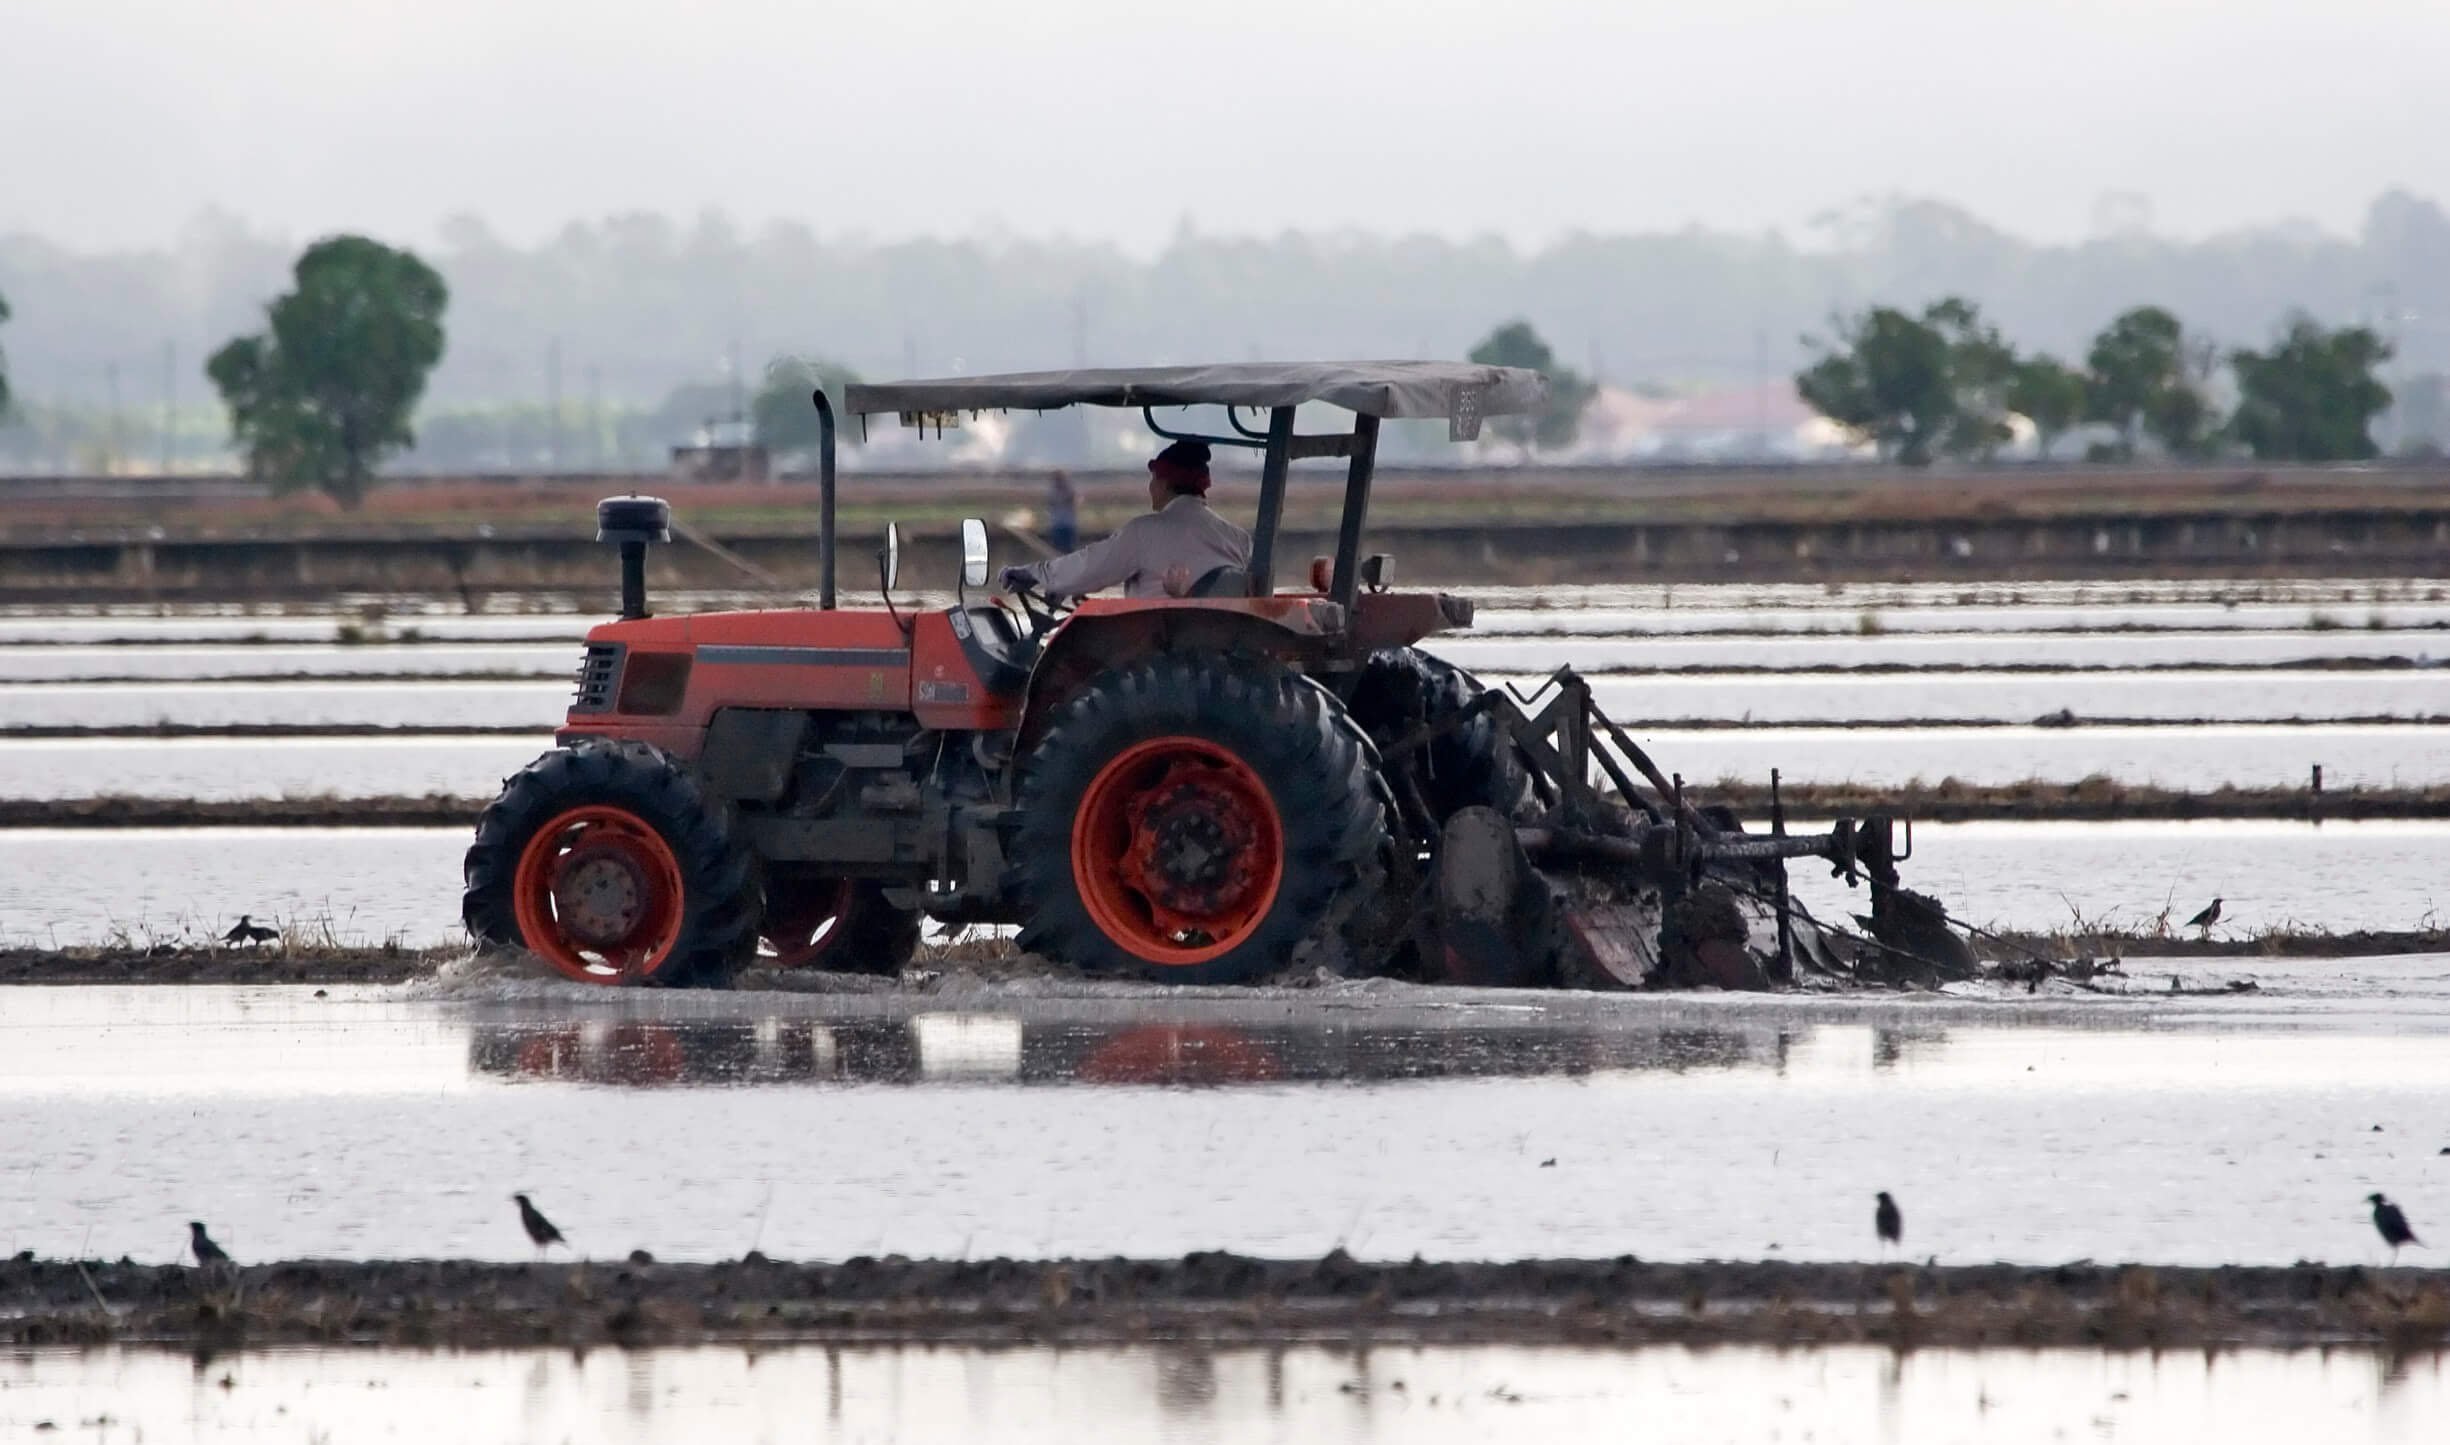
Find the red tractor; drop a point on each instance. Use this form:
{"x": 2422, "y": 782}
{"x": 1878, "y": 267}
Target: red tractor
{"x": 1194, "y": 788}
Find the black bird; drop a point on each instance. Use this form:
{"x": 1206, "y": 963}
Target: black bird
{"x": 2392, "y": 1224}
{"x": 209, "y": 1253}
{"x": 2207, "y": 917}
{"x": 1886, "y": 1219}
{"x": 249, "y": 932}
{"x": 539, "y": 1229}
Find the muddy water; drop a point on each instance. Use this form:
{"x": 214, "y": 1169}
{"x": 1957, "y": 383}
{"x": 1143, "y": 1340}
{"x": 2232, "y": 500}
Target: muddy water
{"x": 205, "y": 661}
{"x": 73, "y": 886}
{"x": 1234, "y": 1397}
{"x": 2111, "y": 650}
{"x": 436, "y": 703}
{"x": 1734, "y": 697}
{"x": 2245, "y": 755}
{"x": 1000, "y": 1121}
{"x": 1486, "y": 653}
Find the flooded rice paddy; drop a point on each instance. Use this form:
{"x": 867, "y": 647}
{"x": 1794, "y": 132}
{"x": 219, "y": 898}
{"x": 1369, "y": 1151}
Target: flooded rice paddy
{"x": 1180, "y": 1393}
{"x": 71, "y": 886}
{"x": 961, "y": 1116}
{"x": 1018, "y": 1120}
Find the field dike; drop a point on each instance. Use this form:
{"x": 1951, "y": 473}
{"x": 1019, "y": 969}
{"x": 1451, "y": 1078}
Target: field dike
{"x": 1213, "y": 1298}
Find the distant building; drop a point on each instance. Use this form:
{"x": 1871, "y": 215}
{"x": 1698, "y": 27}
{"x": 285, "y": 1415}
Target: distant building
{"x": 722, "y": 451}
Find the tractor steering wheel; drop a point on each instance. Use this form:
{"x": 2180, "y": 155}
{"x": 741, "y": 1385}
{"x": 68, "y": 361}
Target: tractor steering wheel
{"x": 1041, "y": 611}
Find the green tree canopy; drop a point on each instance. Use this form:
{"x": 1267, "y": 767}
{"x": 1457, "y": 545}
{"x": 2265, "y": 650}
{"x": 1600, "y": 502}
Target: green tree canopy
{"x": 1516, "y": 344}
{"x": 2144, "y": 379}
{"x": 784, "y": 417}
{"x": 1885, "y": 380}
{"x": 2049, "y": 394}
{"x": 1981, "y": 367}
{"x": 2313, "y": 396}
{"x": 326, "y": 391}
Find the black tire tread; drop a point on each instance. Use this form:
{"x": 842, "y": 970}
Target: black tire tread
{"x": 723, "y": 904}
{"x": 1476, "y": 765}
{"x": 1320, "y": 768}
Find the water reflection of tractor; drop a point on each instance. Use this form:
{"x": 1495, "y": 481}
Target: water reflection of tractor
{"x": 1250, "y": 773}
{"x": 929, "y": 1048}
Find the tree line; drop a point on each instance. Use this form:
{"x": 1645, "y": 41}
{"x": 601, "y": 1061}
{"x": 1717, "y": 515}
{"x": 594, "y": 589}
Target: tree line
{"x": 1944, "y": 383}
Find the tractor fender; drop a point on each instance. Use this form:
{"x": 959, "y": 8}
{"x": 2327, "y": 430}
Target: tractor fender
{"x": 1097, "y": 639}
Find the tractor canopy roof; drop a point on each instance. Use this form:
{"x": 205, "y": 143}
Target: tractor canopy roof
{"x": 1455, "y": 390}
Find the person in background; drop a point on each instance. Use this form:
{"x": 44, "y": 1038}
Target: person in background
{"x": 1062, "y": 512}
{"x": 1180, "y": 535}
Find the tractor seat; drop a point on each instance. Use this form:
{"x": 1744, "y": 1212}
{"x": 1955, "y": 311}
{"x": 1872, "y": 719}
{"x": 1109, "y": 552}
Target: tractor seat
{"x": 1225, "y": 581}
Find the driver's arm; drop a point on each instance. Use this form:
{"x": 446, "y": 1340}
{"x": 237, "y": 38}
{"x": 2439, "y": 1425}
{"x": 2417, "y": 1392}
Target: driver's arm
{"x": 1094, "y": 567}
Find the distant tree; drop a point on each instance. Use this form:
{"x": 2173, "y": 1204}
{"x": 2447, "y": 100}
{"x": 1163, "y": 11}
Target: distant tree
{"x": 1886, "y": 380}
{"x": 1981, "y": 367}
{"x": 1516, "y": 344}
{"x": 2048, "y": 394}
{"x": 782, "y": 414}
{"x": 2147, "y": 377}
{"x": 327, "y": 390}
{"x": 4, "y": 368}
{"x": 2313, "y": 396}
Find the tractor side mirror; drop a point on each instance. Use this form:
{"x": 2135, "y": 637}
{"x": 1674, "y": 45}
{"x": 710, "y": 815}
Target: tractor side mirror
{"x": 973, "y": 552}
{"x": 889, "y": 557}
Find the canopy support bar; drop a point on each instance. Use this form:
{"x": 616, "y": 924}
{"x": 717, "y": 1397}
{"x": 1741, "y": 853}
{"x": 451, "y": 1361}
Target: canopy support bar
{"x": 1276, "y": 462}
{"x": 1356, "y": 509}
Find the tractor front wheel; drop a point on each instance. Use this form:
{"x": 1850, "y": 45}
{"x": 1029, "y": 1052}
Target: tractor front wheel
{"x": 606, "y": 861}
{"x": 1195, "y": 819}
{"x": 843, "y": 925}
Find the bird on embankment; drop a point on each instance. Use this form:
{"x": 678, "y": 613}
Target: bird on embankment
{"x": 2392, "y": 1225}
{"x": 540, "y": 1230}
{"x": 2206, "y": 918}
{"x": 1887, "y": 1221}
{"x": 249, "y": 932}
{"x": 208, "y": 1254}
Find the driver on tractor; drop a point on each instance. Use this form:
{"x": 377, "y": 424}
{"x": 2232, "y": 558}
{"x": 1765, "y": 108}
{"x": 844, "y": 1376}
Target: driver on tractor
{"x": 1165, "y": 553}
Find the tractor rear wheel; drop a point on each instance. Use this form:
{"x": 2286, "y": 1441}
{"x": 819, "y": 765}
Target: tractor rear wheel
{"x": 1195, "y": 819}
{"x": 843, "y": 925}
{"x": 1473, "y": 764}
{"x": 608, "y": 862}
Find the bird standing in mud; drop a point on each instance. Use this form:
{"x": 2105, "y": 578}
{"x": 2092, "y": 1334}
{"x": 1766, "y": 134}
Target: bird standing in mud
{"x": 2203, "y": 921}
{"x": 208, "y": 1254}
{"x": 2388, "y": 1219}
{"x": 249, "y": 932}
{"x": 540, "y": 1230}
{"x": 1890, "y": 1224}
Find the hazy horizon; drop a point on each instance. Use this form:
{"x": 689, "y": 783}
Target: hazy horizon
{"x": 1104, "y": 123}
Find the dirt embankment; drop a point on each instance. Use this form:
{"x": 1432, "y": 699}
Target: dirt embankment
{"x": 1214, "y": 1298}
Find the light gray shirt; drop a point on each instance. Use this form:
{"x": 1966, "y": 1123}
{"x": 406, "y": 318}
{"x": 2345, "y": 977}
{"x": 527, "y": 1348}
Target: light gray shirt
{"x": 1187, "y": 534}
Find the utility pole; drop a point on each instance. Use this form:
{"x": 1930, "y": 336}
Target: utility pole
{"x": 110, "y": 435}
{"x": 1760, "y": 391}
{"x": 595, "y": 418}
{"x": 552, "y": 405}
{"x": 170, "y": 403}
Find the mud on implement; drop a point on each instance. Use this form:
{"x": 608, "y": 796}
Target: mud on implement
{"x": 1206, "y": 787}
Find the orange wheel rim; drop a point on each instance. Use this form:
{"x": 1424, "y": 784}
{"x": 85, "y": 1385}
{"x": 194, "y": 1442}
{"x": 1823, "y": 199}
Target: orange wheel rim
{"x": 1178, "y": 850}
{"x": 804, "y": 924}
{"x": 598, "y": 895}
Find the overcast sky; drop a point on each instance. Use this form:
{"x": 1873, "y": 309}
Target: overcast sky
{"x": 1115, "y": 119}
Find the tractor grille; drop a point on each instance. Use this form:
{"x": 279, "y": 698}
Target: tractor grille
{"x": 597, "y": 676}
